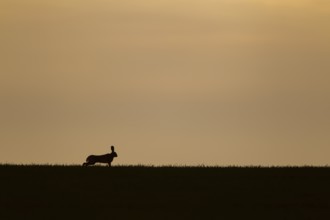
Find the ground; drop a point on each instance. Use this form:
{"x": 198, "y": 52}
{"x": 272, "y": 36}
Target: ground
{"x": 138, "y": 192}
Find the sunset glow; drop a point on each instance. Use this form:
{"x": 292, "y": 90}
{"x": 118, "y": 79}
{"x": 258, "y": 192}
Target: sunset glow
{"x": 228, "y": 82}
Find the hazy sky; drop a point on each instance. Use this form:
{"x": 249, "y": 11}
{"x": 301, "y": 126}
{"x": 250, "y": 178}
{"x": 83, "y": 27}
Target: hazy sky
{"x": 214, "y": 82}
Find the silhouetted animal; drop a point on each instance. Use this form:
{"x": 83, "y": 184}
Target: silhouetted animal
{"x": 106, "y": 158}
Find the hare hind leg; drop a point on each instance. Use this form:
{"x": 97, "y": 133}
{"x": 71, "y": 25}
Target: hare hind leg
{"x": 88, "y": 163}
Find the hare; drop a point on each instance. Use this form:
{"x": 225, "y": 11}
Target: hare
{"x": 106, "y": 158}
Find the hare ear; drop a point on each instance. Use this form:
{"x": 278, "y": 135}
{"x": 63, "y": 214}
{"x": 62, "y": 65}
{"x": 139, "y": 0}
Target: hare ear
{"x": 112, "y": 148}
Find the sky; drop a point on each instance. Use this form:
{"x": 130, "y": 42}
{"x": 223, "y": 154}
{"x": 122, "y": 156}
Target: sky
{"x": 168, "y": 82}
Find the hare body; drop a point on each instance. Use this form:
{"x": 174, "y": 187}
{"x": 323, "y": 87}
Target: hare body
{"x": 106, "y": 158}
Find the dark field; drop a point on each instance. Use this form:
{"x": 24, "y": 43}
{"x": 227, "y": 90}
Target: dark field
{"x": 71, "y": 192}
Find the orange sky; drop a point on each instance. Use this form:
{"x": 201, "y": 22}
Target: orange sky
{"x": 228, "y": 82}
